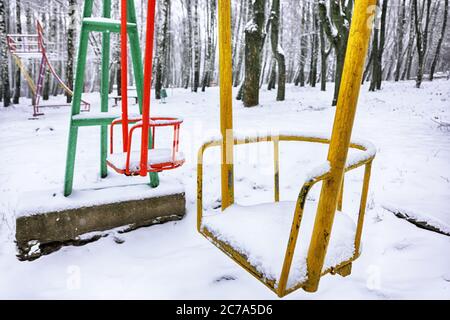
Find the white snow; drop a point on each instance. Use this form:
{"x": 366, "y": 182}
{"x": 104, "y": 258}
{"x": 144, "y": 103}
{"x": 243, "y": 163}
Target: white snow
{"x": 261, "y": 234}
{"x": 53, "y": 200}
{"x": 172, "y": 261}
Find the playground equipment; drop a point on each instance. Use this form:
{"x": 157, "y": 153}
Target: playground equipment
{"x": 93, "y": 212}
{"x": 35, "y": 46}
{"x": 274, "y": 247}
{"x": 147, "y": 160}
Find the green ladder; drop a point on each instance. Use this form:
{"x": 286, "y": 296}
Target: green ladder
{"x": 106, "y": 25}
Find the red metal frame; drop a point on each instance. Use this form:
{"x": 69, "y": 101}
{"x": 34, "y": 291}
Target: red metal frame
{"x": 145, "y": 123}
{"x": 153, "y": 124}
{"x": 148, "y": 59}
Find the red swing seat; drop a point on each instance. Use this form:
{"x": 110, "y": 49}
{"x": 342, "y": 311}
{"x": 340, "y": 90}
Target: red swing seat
{"x": 159, "y": 160}
{"x": 148, "y": 158}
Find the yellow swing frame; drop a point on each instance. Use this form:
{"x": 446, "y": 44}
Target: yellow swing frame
{"x": 331, "y": 197}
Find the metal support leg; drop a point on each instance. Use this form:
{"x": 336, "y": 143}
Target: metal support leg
{"x": 76, "y": 102}
{"x": 139, "y": 76}
{"x": 104, "y": 90}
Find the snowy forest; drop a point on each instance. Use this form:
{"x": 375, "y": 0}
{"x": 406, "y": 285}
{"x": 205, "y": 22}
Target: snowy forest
{"x": 274, "y": 42}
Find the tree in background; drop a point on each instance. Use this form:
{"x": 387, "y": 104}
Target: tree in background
{"x": 162, "y": 47}
{"x": 378, "y": 44}
{"x": 422, "y": 38}
{"x": 4, "y": 66}
{"x": 441, "y": 39}
{"x": 210, "y": 48}
{"x": 254, "y": 41}
{"x": 300, "y": 79}
{"x": 196, "y": 48}
{"x": 17, "y": 80}
{"x": 400, "y": 35}
{"x": 337, "y": 28}
{"x": 70, "y": 46}
{"x": 277, "y": 50}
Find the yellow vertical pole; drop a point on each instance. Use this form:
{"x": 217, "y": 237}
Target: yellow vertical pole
{"x": 276, "y": 158}
{"x": 358, "y": 43}
{"x": 226, "y": 103}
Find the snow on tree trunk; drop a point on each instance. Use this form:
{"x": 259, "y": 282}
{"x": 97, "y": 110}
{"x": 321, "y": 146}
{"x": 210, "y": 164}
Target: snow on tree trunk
{"x": 422, "y": 38}
{"x": 337, "y": 29}
{"x": 441, "y": 39}
{"x": 254, "y": 40}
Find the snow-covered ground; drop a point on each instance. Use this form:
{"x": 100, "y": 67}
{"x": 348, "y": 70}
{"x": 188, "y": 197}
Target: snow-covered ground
{"x": 399, "y": 261}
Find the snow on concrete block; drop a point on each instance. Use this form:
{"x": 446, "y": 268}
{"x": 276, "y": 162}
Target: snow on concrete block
{"x": 44, "y": 231}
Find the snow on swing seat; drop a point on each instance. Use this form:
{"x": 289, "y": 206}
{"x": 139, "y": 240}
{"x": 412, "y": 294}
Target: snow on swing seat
{"x": 155, "y": 157}
{"x": 261, "y": 232}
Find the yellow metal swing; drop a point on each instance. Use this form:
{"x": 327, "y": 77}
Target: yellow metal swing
{"x": 298, "y": 258}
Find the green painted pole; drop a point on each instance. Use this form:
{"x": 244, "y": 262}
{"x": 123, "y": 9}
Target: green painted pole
{"x": 136, "y": 56}
{"x": 104, "y": 89}
{"x": 76, "y": 101}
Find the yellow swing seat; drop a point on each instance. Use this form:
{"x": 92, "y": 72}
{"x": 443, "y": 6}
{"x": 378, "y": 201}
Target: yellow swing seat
{"x": 271, "y": 241}
{"x": 259, "y": 238}
{"x": 260, "y": 235}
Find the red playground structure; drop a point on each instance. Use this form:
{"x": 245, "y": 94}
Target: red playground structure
{"x": 34, "y": 46}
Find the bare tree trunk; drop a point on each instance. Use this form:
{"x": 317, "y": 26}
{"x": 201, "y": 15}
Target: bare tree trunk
{"x": 341, "y": 18}
{"x": 210, "y": 52}
{"x": 422, "y": 39}
{"x": 254, "y": 40}
{"x": 277, "y": 50}
{"x": 314, "y": 50}
{"x": 17, "y": 79}
{"x": 374, "y": 59}
{"x": 4, "y": 72}
{"x": 411, "y": 48}
{"x": 441, "y": 39}
{"x": 300, "y": 79}
{"x": 197, "y": 47}
{"x": 400, "y": 34}
{"x": 70, "y": 47}
{"x": 377, "y": 50}
{"x": 381, "y": 45}
{"x": 29, "y": 25}
{"x": 46, "y": 89}
{"x": 323, "y": 59}
{"x": 161, "y": 50}
{"x": 188, "y": 44}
